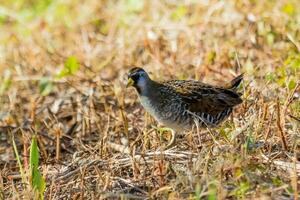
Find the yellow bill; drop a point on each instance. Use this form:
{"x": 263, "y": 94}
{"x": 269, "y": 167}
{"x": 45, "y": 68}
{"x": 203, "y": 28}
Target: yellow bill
{"x": 130, "y": 82}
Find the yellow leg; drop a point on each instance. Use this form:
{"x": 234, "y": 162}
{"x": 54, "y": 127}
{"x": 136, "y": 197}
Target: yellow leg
{"x": 172, "y": 140}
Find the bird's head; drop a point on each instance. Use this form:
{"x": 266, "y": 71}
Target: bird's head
{"x": 138, "y": 78}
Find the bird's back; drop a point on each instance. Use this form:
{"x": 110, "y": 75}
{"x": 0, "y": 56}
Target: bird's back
{"x": 203, "y": 103}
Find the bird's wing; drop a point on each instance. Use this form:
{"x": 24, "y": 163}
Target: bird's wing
{"x": 202, "y": 97}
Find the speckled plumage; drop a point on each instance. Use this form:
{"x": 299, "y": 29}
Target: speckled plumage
{"x": 182, "y": 104}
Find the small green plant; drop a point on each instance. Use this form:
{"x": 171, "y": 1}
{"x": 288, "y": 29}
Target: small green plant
{"x": 289, "y": 9}
{"x": 36, "y": 180}
{"x": 19, "y": 162}
{"x": 198, "y": 192}
{"x": 45, "y": 86}
{"x": 241, "y": 189}
{"x": 212, "y": 191}
{"x": 71, "y": 66}
{"x": 179, "y": 13}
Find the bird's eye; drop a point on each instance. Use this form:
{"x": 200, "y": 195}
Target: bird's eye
{"x": 141, "y": 74}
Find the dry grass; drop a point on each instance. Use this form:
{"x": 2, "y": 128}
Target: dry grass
{"x": 94, "y": 137}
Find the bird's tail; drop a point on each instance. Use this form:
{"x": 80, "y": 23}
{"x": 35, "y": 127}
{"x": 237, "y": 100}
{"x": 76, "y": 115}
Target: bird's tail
{"x": 235, "y": 82}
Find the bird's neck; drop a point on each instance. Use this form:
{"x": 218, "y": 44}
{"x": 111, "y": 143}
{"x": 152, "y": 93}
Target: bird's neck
{"x": 147, "y": 88}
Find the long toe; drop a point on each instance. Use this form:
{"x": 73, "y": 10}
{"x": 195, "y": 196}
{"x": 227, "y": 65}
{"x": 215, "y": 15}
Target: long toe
{"x": 172, "y": 140}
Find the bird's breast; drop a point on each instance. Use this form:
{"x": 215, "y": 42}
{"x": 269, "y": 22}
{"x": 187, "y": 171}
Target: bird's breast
{"x": 150, "y": 106}
{"x": 166, "y": 113}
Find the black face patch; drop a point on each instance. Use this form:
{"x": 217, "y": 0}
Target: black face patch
{"x": 134, "y": 76}
{"x": 135, "y": 73}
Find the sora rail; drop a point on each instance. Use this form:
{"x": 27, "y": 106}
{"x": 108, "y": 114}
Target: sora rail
{"x": 184, "y": 104}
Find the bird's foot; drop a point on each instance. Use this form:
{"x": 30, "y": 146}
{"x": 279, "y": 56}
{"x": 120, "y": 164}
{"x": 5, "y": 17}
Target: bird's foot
{"x": 162, "y": 131}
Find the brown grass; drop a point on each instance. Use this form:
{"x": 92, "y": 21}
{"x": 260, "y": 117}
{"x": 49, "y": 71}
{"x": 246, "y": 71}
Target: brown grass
{"x": 95, "y": 139}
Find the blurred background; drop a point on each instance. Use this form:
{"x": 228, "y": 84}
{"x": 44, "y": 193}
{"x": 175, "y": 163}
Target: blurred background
{"x": 191, "y": 37}
{"x": 63, "y": 66}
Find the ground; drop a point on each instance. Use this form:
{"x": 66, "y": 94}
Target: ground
{"x": 63, "y": 74}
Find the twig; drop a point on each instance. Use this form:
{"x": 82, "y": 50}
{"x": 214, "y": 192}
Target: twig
{"x": 268, "y": 130}
{"x": 294, "y": 176}
{"x": 293, "y": 41}
{"x": 281, "y": 132}
{"x": 127, "y": 182}
{"x": 290, "y": 98}
{"x": 119, "y": 195}
{"x": 119, "y": 148}
{"x": 293, "y": 117}
{"x": 291, "y": 167}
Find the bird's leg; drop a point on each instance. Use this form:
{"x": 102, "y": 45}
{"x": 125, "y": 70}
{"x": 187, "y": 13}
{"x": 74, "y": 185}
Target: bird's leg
{"x": 198, "y": 131}
{"x": 173, "y": 136}
{"x": 172, "y": 140}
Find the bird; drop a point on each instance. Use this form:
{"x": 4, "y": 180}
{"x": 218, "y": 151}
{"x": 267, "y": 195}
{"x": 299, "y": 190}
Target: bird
{"x": 182, "y": 105}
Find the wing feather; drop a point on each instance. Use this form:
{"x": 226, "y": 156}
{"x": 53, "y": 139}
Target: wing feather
{"x": 204, "y": 98}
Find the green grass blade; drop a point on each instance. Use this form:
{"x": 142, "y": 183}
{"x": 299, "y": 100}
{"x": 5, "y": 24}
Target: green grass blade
{"x": 34, "y": 154}
{"x": 19, "y": 161}
{"x": 37, "y": 180}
